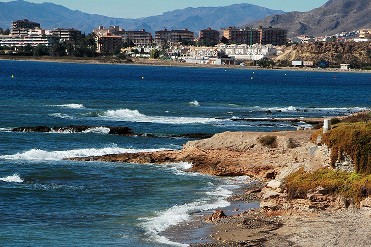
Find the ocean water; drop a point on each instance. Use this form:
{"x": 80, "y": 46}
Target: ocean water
{"x": 48, "y": 201}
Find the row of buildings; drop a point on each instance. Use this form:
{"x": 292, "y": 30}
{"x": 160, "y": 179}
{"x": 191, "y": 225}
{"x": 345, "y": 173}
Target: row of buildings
{"x": 25, "y": 32}
{"x": 228, "y": 54}
{"x": 108, "y": 39}
{"x": 361, "y": 35}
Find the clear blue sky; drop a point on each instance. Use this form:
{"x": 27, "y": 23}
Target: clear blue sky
{"x": 144, "y": 8}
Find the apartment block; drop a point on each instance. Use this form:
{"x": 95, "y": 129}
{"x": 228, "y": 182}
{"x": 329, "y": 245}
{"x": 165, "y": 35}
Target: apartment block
{"x": 273, "y": 36}
{"x": 241, "y": 35}
{"x": 108, "y": 44}
{"x": 209, "y": 36}
{"x": 173, "y": 36}
{"x": 66, "y": 34}
{"x": 139, "y": 38}
{"x": 20, "y": 41}
{"x": 25, "y": 24}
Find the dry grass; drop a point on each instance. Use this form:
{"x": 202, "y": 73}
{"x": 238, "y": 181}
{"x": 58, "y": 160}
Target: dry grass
{"x": 353, "y": 139}
{"x": 349, "y": 185}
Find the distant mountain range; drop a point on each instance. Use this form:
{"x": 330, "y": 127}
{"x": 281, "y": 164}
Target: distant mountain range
{"x": 333, "y": 17}
{"x": 50, "y": 16}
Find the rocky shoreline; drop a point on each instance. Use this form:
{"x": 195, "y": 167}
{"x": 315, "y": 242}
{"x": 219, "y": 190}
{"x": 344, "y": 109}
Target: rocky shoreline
{"x": 319, "y": 220}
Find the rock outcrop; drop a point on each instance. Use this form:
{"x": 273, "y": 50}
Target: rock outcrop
{"x": 237, "y": 153}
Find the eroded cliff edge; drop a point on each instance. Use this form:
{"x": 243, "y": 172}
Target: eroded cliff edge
{"x": 258, "y": 154}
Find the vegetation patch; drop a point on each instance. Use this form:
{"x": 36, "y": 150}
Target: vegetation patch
{"x": 269, "y": 141}
{"x": 292, "y": 143}
{"x": 352, "y": 139}
{"x": 349, "y": 185}
{"x": 358, "y": 117}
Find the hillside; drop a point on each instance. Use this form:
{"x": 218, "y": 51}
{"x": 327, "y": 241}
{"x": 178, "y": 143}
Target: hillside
{"x": 333, "y": 17}
{"x": 355, "y": 54}
{"x": 50, "y": 15}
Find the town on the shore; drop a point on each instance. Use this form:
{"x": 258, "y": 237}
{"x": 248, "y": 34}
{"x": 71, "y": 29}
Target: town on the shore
{"x": 228, "y": 46}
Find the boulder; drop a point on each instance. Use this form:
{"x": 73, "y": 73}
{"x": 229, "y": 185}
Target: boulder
{"x": 216, "y": 216}
{"x": 366, "y": 203}
{"x": 275, "y": 184}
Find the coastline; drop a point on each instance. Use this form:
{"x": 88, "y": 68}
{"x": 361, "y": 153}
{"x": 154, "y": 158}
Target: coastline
{"x": 165, "y": 63}
{"x": 81, "y": 107}
{"x": 319, "y": 221}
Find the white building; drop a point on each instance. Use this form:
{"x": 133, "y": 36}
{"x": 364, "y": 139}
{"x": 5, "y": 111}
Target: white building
{"x": 20, "y": 41}
{"x": 248, "y": 52}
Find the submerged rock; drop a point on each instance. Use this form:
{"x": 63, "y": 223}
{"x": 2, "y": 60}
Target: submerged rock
{"x": 32, "y": 129}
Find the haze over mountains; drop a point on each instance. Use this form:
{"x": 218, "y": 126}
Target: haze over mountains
{"x": 333, "y": 17}
{"x": 50, "y": 16}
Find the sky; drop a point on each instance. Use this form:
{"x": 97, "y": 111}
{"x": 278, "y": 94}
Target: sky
{"x": 144, "y": 8}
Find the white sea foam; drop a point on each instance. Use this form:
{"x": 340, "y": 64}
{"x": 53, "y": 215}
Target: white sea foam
{"x": 37, "y": 154}
{"x": 312, "y": 109}
{"x": 181, "y": 169}
{"x": 15, "y": 178}
{"x": 282, "y": 109}
{"x": 182, "y": 213}
{"x": 71, "y": 106}
{"x": 136, "y": 116}
{"x": 5, "y": 129}
{"x": 61, "y": 115}
{"x": 98, "y": 130}
{"x": 194, "y": 103}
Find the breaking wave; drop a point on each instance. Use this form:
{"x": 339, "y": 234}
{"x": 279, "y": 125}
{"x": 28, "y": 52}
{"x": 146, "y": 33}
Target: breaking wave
{"x": 98, "y": 130}
{"x": 15, "y": 178}
{"x": 38, "y": 154}
{"x": 182, "y": 213}
{"x": 61, "y": 115}
{"x": 310, "y": 109}
{"x": 194, "y": 103}
{"x": 5, "y": 129}
{"x": 71, "y": 106}
{"x": 136, "y": 116}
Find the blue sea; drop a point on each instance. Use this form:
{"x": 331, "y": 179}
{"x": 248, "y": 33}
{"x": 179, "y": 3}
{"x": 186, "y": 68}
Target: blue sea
{"x": 46, "y": 200}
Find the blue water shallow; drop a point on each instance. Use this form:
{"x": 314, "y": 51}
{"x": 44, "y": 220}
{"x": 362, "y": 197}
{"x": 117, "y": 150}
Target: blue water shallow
{"x": 48, "y": 201}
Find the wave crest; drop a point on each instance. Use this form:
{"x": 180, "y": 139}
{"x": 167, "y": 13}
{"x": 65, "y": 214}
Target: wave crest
{"x": 61, "y": 115}
{"x": 136, "y": 116}
{"x": 15, "y": 178}
{"x": 38, "y": 154}
{"x": 71, "y": 106}
{"x": 182, "y": 213}
{"x": 194, "y": 103}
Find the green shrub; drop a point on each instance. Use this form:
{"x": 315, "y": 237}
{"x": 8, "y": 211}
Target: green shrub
{"x": 349, "y": 185}
{"x": 353, "y": 139}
